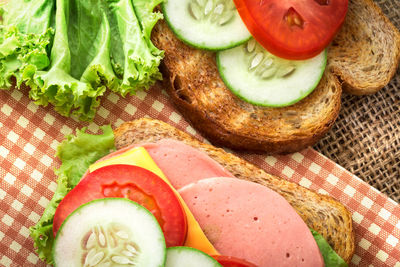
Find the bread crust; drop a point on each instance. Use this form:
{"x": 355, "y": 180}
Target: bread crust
{"x": 192, "y": 80}
{"x": 320, "y": 212}
{"x": 366, "y": 52}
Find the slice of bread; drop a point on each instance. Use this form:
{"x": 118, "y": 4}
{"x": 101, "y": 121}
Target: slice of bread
{"x": 320, "y": 212}
{"x": 193, "y": 82}
{"x": 366, "y": 52}
{"x": 364, "y": 56}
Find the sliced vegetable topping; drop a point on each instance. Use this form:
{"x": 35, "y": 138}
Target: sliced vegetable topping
{"x": 189, "y": 257}
{"x": 110, "y": 232}
{"x": 260, "y": 78}
{"x": 206, "y": 24}
{"x": 77, "y": 153}
{"x": 293, "y": 29}
{"x": 134, "y": 183}
{"x": 144, "y": 156}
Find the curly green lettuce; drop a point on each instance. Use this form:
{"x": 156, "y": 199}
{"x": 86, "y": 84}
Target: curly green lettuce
{"x": 25, "y": 36}
{"x": 331, "y": 258}
{"x": 77, "y": 153}
{"x": 70, "y": 51}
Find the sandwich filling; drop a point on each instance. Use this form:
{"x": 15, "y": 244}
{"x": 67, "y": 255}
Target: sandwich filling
{"x": 199, "y": 235}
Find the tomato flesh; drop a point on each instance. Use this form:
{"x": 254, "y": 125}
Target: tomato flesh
{"x": 293, "y": 29}
{"x": 228, "y": 261}
{"x": 135, "y": 183}
{"x": 132, "y": 192}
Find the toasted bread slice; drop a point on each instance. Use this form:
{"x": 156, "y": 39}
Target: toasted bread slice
{"x": 193, "y": 82}
{"x": 366, "y": 52}
{"x": 320, "y": 212}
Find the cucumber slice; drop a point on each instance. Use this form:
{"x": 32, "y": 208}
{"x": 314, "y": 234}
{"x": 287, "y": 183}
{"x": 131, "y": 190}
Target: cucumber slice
{"x": 206, "y": 24}
{"x": 260, "y": 78}
{"x": 189, "y": 257}
{"x": 110, "y": 232}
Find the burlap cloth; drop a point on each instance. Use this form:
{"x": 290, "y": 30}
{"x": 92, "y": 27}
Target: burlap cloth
{"x": 366, "y": 137}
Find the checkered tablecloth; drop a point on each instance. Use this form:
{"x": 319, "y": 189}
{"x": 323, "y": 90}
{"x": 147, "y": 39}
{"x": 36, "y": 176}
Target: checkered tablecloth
{"x": 30, "y": 134}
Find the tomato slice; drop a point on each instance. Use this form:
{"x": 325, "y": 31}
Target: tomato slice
{"x": 135, "y": 183}
{"x": 228, "y": 261}
{"x": 293, "y": 29}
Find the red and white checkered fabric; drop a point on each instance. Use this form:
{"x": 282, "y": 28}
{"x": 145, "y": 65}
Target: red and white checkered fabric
{"x": 30, "y": 134}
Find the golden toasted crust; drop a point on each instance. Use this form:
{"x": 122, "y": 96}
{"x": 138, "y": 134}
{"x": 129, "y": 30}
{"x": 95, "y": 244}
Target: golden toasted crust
{"x": 322, "y": 213}
{"x": 366, "y": 52}
{"x": 193, "y": 82}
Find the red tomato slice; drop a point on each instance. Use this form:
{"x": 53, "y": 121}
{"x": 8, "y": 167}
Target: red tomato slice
{"x": 293, "y": 29}
{"x": 135, "y": 183}
{"x": 228, "y": 261}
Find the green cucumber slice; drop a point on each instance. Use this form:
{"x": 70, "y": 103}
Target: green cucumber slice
{"x": 206, "y": 24}
{"x": 110, "y": 232}
{"x": 260, "y": 78}
{"x": 189, "y": 257}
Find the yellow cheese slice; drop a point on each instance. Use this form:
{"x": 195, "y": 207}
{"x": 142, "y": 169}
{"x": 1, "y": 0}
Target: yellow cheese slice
{"x": 139, "y": 156}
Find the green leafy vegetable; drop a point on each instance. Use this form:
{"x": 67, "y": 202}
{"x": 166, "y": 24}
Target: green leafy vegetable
{"x": 77, "y": 153}
{"x": 141, "y": 61}
{"x": 331, "y": 259}
{"x": 148, "y": 18}
{"x": 32, "y": 17}
{"x": 24, "y": 42}
{"x": 69, "y": 51}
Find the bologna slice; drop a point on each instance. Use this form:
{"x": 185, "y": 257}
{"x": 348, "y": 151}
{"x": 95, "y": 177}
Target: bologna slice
{"x": 252, "y": 222}
{"x": 183, "y": 164}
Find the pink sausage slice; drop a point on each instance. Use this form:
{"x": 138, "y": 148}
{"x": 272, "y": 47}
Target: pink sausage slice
{"x": 250, "y": 221}
{"x": 183, "y": 164}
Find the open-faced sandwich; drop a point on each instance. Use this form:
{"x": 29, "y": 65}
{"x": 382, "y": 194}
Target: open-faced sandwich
{"x": 243, "y": 94}
{"x": 272, "y": 80}
{"x": 187, "y": 201}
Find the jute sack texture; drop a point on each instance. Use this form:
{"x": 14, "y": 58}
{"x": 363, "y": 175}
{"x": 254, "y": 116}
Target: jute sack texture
{"x": 366, "y": 136}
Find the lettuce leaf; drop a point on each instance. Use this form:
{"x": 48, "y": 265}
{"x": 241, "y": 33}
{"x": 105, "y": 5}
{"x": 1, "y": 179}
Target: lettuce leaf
{"x": 34, "y": 17}
{"x": 76, "y": 153}
{"x": 63, "y": 84}
{"x": 148, "y": 18}
{"x": 24, "y": 42}
{"x": 331, "y": 258}
{"x": 70, "y": 51}
{"x": 139, "y": 60}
